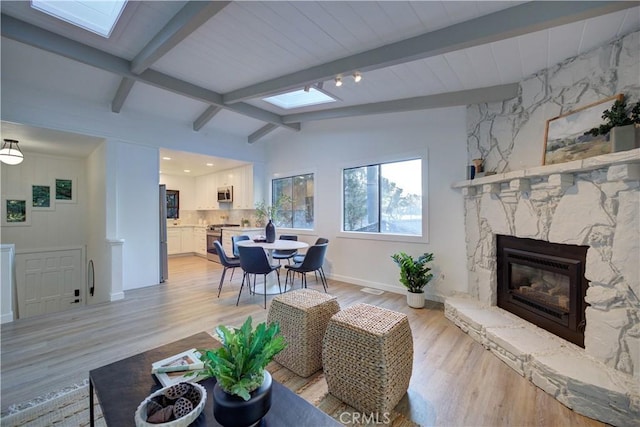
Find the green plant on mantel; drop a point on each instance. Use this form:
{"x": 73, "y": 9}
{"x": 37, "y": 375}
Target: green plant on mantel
{"x": 618, "y": 115}
{"x": 239, "y": 364}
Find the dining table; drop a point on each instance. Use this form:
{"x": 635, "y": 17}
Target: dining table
{"x": 271, "y": 284}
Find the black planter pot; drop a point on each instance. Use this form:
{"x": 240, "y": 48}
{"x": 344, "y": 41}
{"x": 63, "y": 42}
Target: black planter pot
{"x": 270, "y": 232}
{"x": 233, "y": 411}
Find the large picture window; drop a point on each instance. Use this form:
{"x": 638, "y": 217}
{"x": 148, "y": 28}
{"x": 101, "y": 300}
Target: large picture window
{"x": 383, "y": 198}
{"x": 294, "y": 198}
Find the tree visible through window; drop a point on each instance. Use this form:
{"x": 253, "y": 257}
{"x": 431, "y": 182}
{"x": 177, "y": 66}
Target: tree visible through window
{"x": 294, "y": 197}
{"x": 173, "y": 204}
{"x": 384, "y": 198}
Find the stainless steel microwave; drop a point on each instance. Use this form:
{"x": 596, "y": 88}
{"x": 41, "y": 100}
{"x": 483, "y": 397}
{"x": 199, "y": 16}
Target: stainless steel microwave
{"x": 225, "y": 194}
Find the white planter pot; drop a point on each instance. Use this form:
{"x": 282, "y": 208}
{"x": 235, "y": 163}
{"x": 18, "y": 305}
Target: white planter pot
{"x": 624, "y": 138}
{"x": 415, "y": 300}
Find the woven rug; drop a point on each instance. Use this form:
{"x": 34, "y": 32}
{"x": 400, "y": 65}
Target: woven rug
{"x": 70, "y": 406}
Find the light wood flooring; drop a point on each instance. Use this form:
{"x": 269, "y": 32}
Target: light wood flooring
{"x": 455, "y": 382}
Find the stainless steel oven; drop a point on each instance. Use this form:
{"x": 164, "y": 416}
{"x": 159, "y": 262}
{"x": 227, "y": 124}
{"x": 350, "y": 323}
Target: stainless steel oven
{"x": 213, "y": 234}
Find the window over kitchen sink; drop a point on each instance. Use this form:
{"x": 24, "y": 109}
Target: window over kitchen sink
{"x": 173, "y": 204}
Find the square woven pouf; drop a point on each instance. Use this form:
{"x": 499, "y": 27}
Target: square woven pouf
{"x": 367, "y": 357}
{"x": 303, "y": 316}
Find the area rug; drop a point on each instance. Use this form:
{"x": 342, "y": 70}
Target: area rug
{"x": 70, "y": 406}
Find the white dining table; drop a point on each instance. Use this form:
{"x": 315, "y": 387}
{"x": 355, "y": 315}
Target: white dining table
{"x": 271, "y": 285}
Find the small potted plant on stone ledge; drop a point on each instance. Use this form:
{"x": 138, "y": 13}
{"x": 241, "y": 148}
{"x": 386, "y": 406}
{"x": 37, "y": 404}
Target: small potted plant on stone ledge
{"x": 622, "y": 124}
{"x": 242, "y": 394}
{"x": 415, "y": 274}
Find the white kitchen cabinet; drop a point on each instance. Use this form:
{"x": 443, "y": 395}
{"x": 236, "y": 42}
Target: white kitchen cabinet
{"x": 174, "y": 241}
{"x": 206, "y": 191}
{"x": 180, "y": 240}
{"x": 200, "y": 241}
{"x": 243, "y": 191}
{"x": 186, "y": 240}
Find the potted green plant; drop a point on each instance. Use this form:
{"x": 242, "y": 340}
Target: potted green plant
{"x": 621, "y": 122}
{"x": 242, "y": 394}
{"x": 415, "y": 274}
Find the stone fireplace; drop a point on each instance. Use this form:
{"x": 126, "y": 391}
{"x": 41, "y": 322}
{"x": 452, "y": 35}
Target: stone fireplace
{"x": 594, "y": 205}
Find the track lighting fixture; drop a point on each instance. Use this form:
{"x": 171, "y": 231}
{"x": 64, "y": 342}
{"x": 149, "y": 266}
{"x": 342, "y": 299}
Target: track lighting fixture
{"x": 357, "y": 76}
{"x": 338, "y": 81}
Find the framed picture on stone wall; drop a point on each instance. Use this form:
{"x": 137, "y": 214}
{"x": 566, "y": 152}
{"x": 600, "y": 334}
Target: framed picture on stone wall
{"x": 565, "y": 138}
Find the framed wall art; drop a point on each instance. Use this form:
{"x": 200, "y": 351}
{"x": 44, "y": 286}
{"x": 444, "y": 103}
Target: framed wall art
{"x": 66, "y": 190}
{"x": 42, "y": 197}
{"x": 565, "y": 138}
{"x": 16, "y": 211}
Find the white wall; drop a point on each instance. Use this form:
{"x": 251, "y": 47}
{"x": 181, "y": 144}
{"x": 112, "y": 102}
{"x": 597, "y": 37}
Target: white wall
{"x": 138, "y": 213}
{"x": 187, "y": 187}
{"x": 66, "y": 224}
{"x": 97, "y": 249}
{"x": 325, "y": 147}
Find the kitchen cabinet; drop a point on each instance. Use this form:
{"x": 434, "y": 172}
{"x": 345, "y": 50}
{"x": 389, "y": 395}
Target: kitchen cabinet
{"x": 246, "y": 192}
{"x": 200, "y": 241}
{"x": 180, "y": 240}
{"x": 186, "y": 239}
{"x": 174, "y": 241}
{"x": 206, "y": 192}
{"x": 243, "y": 196}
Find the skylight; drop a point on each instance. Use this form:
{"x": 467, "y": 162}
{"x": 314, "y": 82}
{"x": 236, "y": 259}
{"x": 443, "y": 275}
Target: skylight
{"x": 96, "y": 16}
{"x": 300, "y": 98}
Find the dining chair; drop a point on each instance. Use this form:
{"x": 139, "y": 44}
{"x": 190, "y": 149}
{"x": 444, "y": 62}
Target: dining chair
{"x": 313, "y": 261}
{"x": 226, "y": 262}
{"x": 234, "y": 243}
{"x": 298, "y": 258}
{"x": 287, "y": 254}
{"x": 253, "y": 260}
{"x": 319, "y": 241}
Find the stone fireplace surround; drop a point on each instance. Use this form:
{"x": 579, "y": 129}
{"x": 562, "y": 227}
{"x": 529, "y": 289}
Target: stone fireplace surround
{"x": 593, "y": 202}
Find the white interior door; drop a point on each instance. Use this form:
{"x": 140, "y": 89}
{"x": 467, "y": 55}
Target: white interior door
{"x": 48, "y": 282}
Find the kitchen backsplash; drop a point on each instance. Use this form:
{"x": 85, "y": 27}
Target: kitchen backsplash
{"x": 215, "y": 217}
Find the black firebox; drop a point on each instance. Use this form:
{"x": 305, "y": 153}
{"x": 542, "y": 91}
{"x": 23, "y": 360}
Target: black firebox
{"x": 544, "y": 283}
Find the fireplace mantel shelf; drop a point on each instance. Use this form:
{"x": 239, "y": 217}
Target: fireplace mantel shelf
{"x": 576, "y": 166}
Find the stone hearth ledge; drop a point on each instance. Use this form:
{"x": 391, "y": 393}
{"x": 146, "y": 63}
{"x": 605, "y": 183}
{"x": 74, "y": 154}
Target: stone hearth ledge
{"x": 558, "y": 367}
{"x": 576, "y": 166}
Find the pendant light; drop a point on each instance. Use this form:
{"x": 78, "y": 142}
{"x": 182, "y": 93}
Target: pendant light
{"x": 10, "y": 152}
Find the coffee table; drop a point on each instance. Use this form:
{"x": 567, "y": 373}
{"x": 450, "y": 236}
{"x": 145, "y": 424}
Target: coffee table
{"x": 122, "y": 385}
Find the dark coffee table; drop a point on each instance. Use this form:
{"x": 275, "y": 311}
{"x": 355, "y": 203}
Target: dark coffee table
{"x": 122, "y": 385}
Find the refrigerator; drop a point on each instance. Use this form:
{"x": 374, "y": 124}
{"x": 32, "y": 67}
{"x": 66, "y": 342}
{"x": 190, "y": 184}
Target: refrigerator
{"x": 164, "y": 267}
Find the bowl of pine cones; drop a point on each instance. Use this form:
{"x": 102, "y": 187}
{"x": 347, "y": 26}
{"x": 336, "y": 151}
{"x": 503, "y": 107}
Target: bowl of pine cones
{"x": 177, "y": 405}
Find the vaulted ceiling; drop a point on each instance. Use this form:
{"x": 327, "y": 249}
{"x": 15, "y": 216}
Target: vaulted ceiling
{"x": 207, "y": 65}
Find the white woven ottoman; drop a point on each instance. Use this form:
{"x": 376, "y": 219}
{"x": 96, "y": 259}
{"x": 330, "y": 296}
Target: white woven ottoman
{"x": 303, "y": 316}
{"x": 367, "y": 357}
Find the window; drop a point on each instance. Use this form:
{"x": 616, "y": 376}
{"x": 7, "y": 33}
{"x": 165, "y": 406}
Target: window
{"x": 294, "y": 198}
{"x": 173, "y": 204}
{"x": 383, "y": 198}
